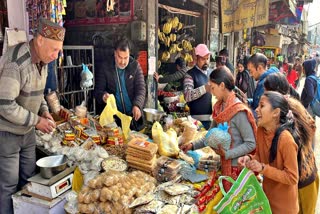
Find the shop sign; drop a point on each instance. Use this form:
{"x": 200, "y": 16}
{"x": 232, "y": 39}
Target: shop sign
{"x": 96, "y": 12}
{"x": 241, "y": 14}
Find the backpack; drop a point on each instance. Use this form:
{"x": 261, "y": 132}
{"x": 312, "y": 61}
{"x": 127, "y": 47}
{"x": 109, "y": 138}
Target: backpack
{"x": 315, "y": 104}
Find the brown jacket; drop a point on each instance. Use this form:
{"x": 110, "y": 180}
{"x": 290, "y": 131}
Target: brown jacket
{"x": 280, "y": 178}
{"x": 106, "y": 81}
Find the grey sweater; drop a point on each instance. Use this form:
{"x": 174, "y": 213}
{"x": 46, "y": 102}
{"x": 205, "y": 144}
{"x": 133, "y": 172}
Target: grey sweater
{"x": 21, "y": 90}
{"x": 243, "y": 138}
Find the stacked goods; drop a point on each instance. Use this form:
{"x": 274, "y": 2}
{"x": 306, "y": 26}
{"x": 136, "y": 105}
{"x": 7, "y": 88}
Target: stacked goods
{"x": 209, "y": 165}
{"x": 141, "y": 154}
{"x": 114, "y": 192}
{"x": 166, "y": 169}
{"x": 115, "y": 136}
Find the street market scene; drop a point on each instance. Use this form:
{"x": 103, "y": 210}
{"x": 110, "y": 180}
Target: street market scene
{"x": 159, "y": 106}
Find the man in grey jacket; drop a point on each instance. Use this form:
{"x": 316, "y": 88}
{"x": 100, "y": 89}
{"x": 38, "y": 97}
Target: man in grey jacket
{"x": 123, "y": 78}
{"x": 23, "y": 74}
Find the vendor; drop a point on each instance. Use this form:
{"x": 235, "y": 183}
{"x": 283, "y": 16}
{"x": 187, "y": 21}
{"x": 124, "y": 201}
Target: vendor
{"x": 122, "y": 77}
{"x": 196, "y": 88}
{"x": 23, "y": 71}
{"x": 177, "y": 75}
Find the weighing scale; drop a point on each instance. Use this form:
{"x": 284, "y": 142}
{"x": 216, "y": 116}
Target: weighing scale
{"x": 50, "y": 188}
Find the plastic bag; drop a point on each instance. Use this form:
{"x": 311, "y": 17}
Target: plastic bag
{"x": 77, "y": 181}
{"x": 167, "y": 141}
{"x": 125, "y": 123}
{"x": 109, "y": 110}
{"x": 189, "y": 133}
{"x": 86, "y": 77}
{"x": 218, "y": 135}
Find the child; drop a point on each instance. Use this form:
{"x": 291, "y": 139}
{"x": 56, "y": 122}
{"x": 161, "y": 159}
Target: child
{"x": 277, "y": 150}
{"x": 239, "y": 117}
{"x": 243, "y": 79}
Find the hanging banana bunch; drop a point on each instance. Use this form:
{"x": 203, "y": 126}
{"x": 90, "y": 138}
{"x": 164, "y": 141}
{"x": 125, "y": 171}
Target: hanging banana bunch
{"x": 173, "y": 49}
{"x": 187, "y": 46}
{"x": 165, "y": 56}
{"x": 188, "y": 58}
{"x": 167, "y": 41}
{"x": 173, "y": 37}
{"x": 167, "y": 27}
{"x": 180, "y": 26}
{"x": 162, "y": 37}
{"x": 175, "y": 22}
{"x": 179, "y": 47}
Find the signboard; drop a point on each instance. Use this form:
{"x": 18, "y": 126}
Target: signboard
{"x": 241, "y": 14}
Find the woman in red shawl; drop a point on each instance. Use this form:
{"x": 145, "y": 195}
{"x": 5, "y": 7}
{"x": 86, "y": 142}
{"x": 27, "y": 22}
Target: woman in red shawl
{"x": 239, "y": 117}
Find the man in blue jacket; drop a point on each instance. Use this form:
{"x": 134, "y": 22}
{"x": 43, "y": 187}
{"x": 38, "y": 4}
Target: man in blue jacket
{"x": 257, "y": 66}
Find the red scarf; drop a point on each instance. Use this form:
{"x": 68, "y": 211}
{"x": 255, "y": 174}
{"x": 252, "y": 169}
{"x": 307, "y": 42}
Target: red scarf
{"x": 224, "y": 112}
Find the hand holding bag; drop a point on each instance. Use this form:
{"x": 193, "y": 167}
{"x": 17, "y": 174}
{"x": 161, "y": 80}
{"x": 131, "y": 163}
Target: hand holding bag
{"x": 245, "y": 196}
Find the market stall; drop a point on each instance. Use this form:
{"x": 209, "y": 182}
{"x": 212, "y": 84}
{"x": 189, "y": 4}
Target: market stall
{"x": 105, "y": 166}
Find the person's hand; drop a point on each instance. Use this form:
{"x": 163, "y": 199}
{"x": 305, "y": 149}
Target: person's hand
{"x": 105, "y": 97}
{"x": 156, "y": 76}
{"x": 45, "y": 125}
{"x": 243, "y": 160}
{"x": 47, "y": 115}
{"x": 186, "y": 147}
{"x": 208, "y": 88}
{"x": 220, "y": 151}
{"x": 255, "y": 166}
{"x": 136, "y": 112}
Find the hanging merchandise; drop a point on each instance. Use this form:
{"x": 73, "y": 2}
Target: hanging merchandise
{"x": 48, "y": 9}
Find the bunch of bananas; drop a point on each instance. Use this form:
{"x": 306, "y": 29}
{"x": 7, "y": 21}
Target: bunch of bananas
{"x": 167, "y": 27}
{"x": 180, "y": 26}
{"x": 173, "y": 37}
{"x": 188, "y": 58}
{"x": 187, "y": 46}
{"x": 161, "y": 36}
{"x": 173, "y": 49}
{"x": 165, "y": 56}
{"x": 175, "y": 22}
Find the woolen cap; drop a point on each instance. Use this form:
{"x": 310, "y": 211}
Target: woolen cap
{"x": 51, "y": 30}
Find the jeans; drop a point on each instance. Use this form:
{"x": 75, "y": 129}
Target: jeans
{"x": 17, "y": 164}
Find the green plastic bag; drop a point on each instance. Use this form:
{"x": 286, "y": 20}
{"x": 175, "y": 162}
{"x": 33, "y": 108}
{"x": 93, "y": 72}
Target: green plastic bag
{"x": 245, "y": 196}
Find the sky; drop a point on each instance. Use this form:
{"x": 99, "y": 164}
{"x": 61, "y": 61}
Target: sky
{"x": 313, "y": 15}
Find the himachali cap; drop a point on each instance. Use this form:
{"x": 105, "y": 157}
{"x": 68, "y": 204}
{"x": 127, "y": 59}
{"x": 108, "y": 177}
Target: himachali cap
{"x": 51, "y": 30}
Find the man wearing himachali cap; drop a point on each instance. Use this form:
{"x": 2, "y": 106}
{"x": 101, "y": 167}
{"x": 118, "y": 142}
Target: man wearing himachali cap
{"x": 196, "y": 89}
{"x": 23, "y": 73}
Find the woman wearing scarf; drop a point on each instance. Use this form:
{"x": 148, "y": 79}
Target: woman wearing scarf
{"x": 242, "y": 126}
{"x": 243, "y": 79}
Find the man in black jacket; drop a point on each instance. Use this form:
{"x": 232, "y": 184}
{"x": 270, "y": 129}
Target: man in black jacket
{"x": 123, "y": 78}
